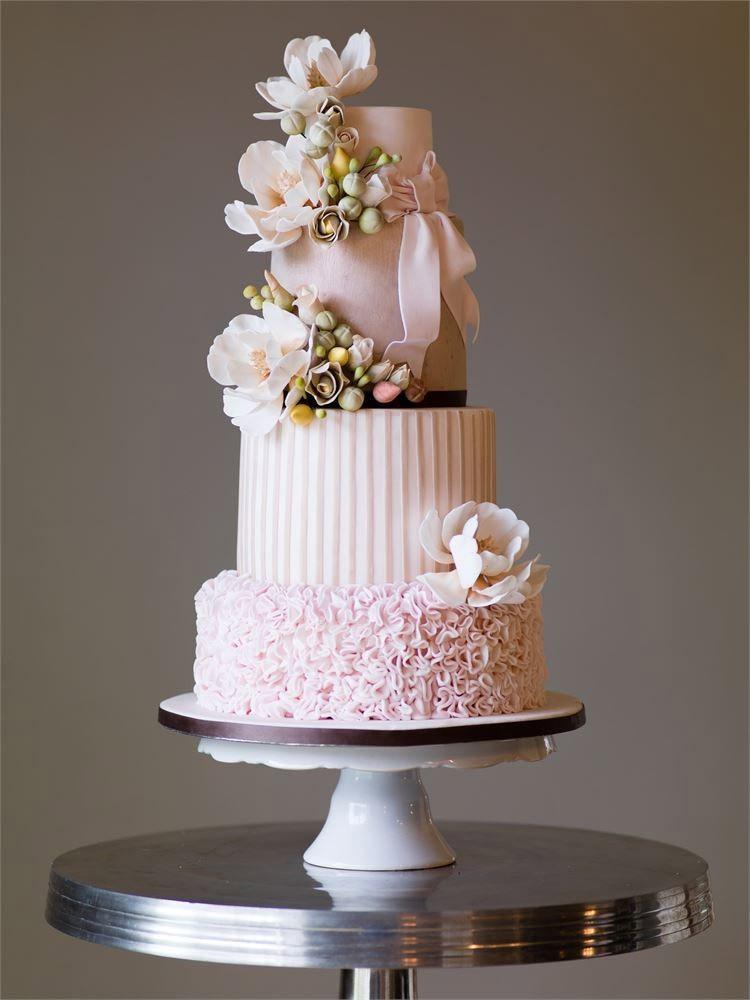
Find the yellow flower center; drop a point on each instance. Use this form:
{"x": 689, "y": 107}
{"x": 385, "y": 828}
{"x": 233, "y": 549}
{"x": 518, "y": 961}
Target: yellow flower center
{"x": 286, "y": 180}
{"x": 315, "y": 77}
{"x": 259, "y": 361}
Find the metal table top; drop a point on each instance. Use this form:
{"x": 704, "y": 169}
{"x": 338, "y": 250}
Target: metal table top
{"x": 518, "y": 894}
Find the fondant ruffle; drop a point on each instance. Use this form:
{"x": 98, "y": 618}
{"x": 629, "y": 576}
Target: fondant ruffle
{"x": 388, "y": 652}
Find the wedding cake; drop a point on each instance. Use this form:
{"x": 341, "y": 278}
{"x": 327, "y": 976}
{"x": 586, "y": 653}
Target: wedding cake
{"x": 376, "y": 577}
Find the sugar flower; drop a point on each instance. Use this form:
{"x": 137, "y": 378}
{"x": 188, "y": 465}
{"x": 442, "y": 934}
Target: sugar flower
{"x": 483, "y": 542}
{"x": 316, "y": 72}
{"x": 285, "y": 184}
{"x": 260, "y": 356}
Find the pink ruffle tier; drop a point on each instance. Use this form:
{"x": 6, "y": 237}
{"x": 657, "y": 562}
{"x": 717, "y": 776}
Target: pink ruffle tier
{"x": 388, "y": 651}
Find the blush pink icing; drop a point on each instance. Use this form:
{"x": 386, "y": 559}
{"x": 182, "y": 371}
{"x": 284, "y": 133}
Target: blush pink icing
{"x": 387, "y": 651}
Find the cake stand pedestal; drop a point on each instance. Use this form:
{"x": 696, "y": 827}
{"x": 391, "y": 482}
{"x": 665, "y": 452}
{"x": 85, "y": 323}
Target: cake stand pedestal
{"x": 517, "y": 894}
{"x": 379, "y": 817}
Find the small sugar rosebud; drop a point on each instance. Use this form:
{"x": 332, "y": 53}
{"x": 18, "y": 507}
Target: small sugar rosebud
{"x": 321, "y": 414}
{"x": 299, "y": 383}
{"x": 249, "y": 291}
{"x": 326, "y": 320}
{"x": 365, "y": 380}
{"x": 396, "y": 158}
{"x": 380, "y": 370}
{"x": 320, "y": 351}
{"x": 383, "y": 160}
{"x": 351, "y": 399}
{"x": 329, "y": 174}
{"x": 371, "y": 221}
{"x": 401, "y": 377}
{"x": 333, "y": 191}
{"x": 359, "y": 372}
{"x": 354, "y": 165}
{"x": 351, "y": 207}
{"x": 354, "y": 185}
{"x": 343, "y": 335}
{"x": 293, "y": 123}
{"x": 266, "y": 292}
{"x": 257, "y": 301}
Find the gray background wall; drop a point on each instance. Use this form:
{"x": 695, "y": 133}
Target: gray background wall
{"x": 598, "y": 156}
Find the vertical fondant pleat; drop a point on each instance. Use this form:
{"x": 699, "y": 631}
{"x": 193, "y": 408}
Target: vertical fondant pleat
{"x": 341, "y": 501}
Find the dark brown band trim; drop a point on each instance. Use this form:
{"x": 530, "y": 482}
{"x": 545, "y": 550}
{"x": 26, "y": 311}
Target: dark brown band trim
{"x": 443, "y": 397}
{"x": 245, "y": 732}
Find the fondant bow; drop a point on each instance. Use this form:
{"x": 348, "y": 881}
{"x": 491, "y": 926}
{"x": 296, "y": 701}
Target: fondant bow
{"x": 433, "y": 262}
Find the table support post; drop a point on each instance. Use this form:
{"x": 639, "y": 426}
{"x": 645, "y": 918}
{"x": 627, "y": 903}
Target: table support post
{"x": 378, "y": 984}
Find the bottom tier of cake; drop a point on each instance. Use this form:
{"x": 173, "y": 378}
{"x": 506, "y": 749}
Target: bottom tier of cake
{"x": 387, "y": 651}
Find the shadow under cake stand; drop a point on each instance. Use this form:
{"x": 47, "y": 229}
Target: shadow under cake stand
{"x": 379, "y": 817}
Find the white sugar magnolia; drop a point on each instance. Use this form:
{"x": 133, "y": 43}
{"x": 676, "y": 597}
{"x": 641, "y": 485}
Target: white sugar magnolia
{"x": 483, "y": 542}
{"x": 316, "y": 72}
{"x": 285, "y": 183}
{"x": 259, "y": 356}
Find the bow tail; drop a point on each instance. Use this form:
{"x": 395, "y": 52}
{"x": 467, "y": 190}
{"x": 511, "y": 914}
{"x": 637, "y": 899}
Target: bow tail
{"x": 456, "y": 261}
{"x": 418, "y": 291}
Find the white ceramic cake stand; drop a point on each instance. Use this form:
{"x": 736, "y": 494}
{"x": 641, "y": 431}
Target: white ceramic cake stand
{"x": 379, "y": 818}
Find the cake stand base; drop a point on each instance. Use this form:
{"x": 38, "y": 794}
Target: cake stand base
{"x": 379, "y": 817}
{"x": 378, "y": 821}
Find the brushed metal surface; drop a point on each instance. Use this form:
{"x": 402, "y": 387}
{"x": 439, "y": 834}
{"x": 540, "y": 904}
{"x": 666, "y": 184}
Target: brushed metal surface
{"x": 517, "y": 894}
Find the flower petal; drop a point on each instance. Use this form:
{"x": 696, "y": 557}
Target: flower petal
{"x": 502, "y": 592}
{"x": 298, "y": 48}
{"x": 430, "y": 539}
{"x": 455, "y": 520}
{"x": 446, "y": 587}
{"x": 358, "y": 52}
{"x": 260, "y": 420}
{"x": 237, "y": 403}
{"x": 279, "y": 91}
{"x": 289, "y": 366}
{"x": 238, "y": 219}
{"x": 288, "y": 330}
{"x": 355, "y": 81}
{"x": 328, "y": 63}
{"x": 278, "y": 242}
{"x": 493, "y": 564}
{"x": 467, "y": 559}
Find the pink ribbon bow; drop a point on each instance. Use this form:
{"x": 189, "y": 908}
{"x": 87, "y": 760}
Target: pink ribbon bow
{"x": 433, "y": 261}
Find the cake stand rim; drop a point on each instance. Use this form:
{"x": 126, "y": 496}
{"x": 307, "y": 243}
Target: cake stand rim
{"x": 182, "y": 714}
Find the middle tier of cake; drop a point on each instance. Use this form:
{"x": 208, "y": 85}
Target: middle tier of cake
{"x": 341, "y": 502}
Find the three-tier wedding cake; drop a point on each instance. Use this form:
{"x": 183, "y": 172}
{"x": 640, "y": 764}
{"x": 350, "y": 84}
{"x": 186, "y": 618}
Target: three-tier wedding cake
{"x": 376, "y": 577}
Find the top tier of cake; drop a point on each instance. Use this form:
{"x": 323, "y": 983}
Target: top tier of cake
{"x": 363, "y": 278}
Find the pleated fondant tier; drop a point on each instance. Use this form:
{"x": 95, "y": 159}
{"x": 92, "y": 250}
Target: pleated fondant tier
{"x": 340, "y": 502}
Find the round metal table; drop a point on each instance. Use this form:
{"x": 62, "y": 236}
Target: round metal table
{"x": 517, "y": 894}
